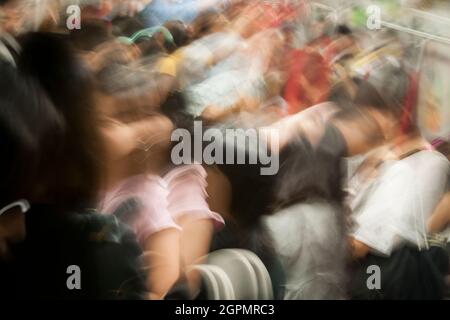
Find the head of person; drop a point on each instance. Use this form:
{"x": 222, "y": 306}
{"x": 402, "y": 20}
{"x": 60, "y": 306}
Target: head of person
{"x": 306, "y": 175}
{"x": 392, "y": 82}
{"x": 251, "y": 189}
{"x": 10, "y": 20}
{"x": 31, "y": 129}
{"x": 377, "y": 108}
{"x": 172, "y": 35}
{"x": 135, "y": 133}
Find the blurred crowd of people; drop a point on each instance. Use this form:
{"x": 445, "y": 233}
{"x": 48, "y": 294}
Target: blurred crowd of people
{"x": 86, "y": 118}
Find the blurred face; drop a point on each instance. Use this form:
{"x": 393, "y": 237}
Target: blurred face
{"x": 10, "y": 20}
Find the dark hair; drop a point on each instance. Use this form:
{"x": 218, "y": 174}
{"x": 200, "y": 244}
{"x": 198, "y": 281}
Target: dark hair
{"x": 126, "y": 26}
{"x": 385, "y": 88}
{"x": 252, "y": 193}
{"x": 367, "y": 95}
{"x": 306, "y": 173}
{"x": 74, "y": 172}
{"x": 179, "y": 32}
{"x": 30, "y": 131}
{"x": 175, "y": 107}
{"x": 154, "y": 45}
{"x": 343, "y": 29}
{"x": 251, "y": 199}
{"x": 341, "y": 96}
{"x": 354, "y": 108}
{"x": 93, "y": 33}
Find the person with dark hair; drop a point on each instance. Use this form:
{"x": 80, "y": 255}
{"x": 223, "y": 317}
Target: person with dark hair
{"x": 22, "y": 101}
{"x": 392, "y": 194}
{"x": 308, "y": 223}
{"x": 265, "y": 214}
{"x": 68, "y": 84}
{"x": 244, "y": 196}
{"x": 165, "y": 205}
{"x": 50, "y": 172}
{"x": 161, "y": 50}
{"x": 360, "y": 121}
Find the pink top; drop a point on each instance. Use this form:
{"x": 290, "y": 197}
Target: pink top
{"x": 150, "y": 203}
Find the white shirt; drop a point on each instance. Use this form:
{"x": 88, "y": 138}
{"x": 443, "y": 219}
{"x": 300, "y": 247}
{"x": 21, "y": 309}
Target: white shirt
{"x": 394, "y": 208}
{"x": 309, "y": 240}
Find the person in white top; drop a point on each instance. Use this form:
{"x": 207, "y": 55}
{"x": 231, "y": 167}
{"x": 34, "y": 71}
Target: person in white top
{"x": 393, "y": 207}
{"x": 397, "y": 187}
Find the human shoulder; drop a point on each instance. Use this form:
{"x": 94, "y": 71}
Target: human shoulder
{"x": 427, "y": 164}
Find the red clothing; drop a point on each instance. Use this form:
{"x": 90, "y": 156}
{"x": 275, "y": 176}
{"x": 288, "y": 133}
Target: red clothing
{"x": 274, "y": 15}
{"x": 308, "y": 81}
